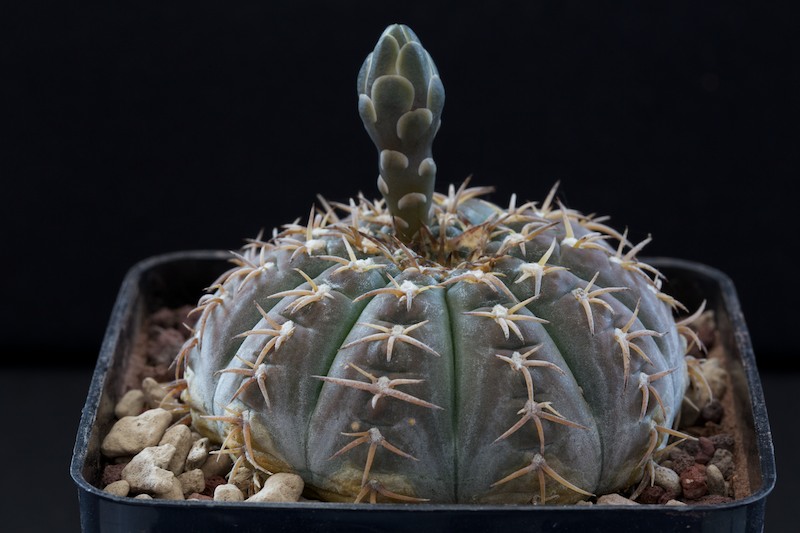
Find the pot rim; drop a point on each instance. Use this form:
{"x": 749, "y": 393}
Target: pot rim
{"x": 122, "y": 308}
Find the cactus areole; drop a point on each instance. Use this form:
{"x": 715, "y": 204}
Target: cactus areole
{"x": 437, "y": 347}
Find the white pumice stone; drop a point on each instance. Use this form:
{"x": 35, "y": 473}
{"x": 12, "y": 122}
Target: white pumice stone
{"x": 192, "y": 481}
{"x": 181, "y": 437}
{"x": 153, "y": 391}
{"x": 118, "y": 488}
{"x": 175, "y": 491}
{"x": 131, "y": 404}
{"x": 147, "y": 470}
{"x": 131, "y": 434}
{"x": 615, "y": 499}
{"x": 228, "y": 493}
{"x": 198, "y": 454}
{"x": 280, "y": 487}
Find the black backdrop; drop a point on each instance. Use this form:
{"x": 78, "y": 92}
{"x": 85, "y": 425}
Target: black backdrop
{"x": 135, "y": 129}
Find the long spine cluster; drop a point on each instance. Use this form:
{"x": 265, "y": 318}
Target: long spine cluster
{"x": 438, "y": 347}
{"x": 506, "y": 267}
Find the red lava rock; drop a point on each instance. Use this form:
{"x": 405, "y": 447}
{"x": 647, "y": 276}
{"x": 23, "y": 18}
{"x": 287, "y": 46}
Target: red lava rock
{"x": 705, "y": 450}
{"x": 163, "y": 344}
{"x": 112, "y": 473}
{"x": 693, "y": 482}
{"x": 173, "y": 318}
{"x": 667, "y": 496}
{"x": 723, "y": 441}
{"x": 212, "y": 482}
{"x": 681, "y": 460}
{"x": 166, "y": 318}
{"x": 712, "y": 412}
{"x": 689, "y": 446}
{"x": 198, "y": 496}
{"x": 651, "y": 494}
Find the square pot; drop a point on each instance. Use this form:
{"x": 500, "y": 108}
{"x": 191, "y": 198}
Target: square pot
{"x": 178, "y": 278}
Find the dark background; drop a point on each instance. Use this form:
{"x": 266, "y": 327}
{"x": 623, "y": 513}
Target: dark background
{"x": 136, "y": 129}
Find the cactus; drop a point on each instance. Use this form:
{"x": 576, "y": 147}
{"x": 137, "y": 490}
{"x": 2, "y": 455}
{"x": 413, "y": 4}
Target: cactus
{"x": 437, "y": 347}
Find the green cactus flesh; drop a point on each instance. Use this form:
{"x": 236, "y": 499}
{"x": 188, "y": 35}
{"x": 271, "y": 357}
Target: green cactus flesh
{"x": 477, "y": 353}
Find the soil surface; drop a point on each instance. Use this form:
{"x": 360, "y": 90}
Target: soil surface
{"x": 709, "y": 468}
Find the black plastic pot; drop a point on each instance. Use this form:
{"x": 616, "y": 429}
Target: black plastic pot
{"x": 178, "y": 278}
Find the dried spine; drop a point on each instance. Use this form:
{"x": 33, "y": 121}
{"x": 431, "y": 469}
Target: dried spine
{"x": 480, "y": 353}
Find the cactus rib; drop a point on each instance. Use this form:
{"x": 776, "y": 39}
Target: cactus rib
{"x": 438, "y": 347}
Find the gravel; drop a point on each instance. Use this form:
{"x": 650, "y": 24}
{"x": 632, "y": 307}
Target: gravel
{"x": 152, "y": 452}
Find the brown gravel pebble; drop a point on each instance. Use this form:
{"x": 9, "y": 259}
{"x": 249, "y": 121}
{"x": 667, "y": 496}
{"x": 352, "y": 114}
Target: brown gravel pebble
{"x": 705, "y": 450}
{"x": 212, "y": 482}
{"x": 668, "y": 496}
{"x": 217, "y": 465}
{"x": 651, "y": 494}
{"x": 693, "y": 482}
{"x": 723, "y": 441}
{"x": 198, "y": 496}
{"x": 723, "y": 459}
{"x": 667, "y": 479}
{"x": 715, "y": 481}
{"x": 112, "y": 473}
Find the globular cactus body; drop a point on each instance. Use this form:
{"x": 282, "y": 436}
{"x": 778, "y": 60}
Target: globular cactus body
{"x": 438, "y": 348}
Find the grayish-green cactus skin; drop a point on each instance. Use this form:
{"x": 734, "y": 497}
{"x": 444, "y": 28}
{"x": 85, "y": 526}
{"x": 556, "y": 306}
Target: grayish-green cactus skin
{"x": 446, "y": 350}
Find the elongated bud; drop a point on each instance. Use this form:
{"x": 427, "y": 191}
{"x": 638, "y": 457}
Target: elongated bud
{"x": 400, "y": 100}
